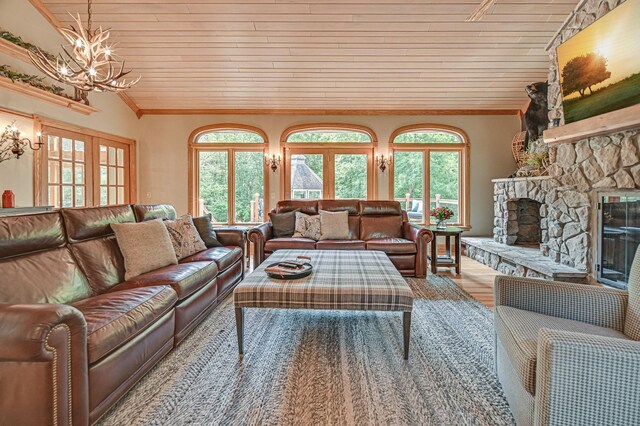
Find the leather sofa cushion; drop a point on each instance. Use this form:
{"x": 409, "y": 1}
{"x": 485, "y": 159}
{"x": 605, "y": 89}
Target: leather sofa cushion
{"x": 375, "y": 227}
{"x": 404, "y": 262}
{"x": 115, "y": 318}
{"x": 289, "y": 243}
{"x": 380, "y": 208}
{"x": 30, "y": 233}
{"x": 351, "y": 206}
{"x": 392, "y": 245}
{"x": 305, "y": 206}
{"x": 340, "y": 245}
{"x": 92, "y": 222}
{"x": 144, "y": 212}
{"x": 101, "y": 261}
{"x": 224, "y": 257}
{"x": 50, "y": 276}
{"x": 184, "y": 278}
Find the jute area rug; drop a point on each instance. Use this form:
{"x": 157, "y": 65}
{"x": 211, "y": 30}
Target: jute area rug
{"x": 330, "y": 368}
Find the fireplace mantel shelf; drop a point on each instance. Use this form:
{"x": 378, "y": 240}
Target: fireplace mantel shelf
{"x": 614, "y": 121}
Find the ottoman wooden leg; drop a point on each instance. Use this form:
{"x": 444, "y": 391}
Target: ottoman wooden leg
{"x": 406, "y": 325}
{"x": 240, "y": 329}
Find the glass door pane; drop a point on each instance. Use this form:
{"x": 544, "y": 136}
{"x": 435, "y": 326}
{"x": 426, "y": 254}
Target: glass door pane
{"x": 306, "y": 176}
{"x": 444, "y": 182}
{"x": 350, "y": 176}
{"x": 408, "y": 178}
{"x": 249, "y": 186}
{"x": 214, "y": 185}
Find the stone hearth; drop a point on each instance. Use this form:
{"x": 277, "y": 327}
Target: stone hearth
{"x": 519, "y": 261}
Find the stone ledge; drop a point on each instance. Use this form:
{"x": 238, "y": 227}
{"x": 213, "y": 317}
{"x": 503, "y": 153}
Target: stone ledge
{"x": 521, "y": 179}
{"x": 519, "y": 261}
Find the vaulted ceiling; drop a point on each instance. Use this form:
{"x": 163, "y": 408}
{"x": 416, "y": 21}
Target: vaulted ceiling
{"x": 336, "y": 54}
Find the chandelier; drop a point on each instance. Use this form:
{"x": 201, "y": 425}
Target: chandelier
{"x": 12, "y": 145}
{"x": 91, "y": 65}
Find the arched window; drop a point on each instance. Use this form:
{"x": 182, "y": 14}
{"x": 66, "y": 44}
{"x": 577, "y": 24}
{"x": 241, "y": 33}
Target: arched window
{"x": 429, "y": 170}
{"x": 227, "y": 173}
{"x": 328, "y": 161}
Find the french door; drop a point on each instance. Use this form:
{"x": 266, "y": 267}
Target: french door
{"x": 341, "y": 173}
{"x": 80, "y": 170}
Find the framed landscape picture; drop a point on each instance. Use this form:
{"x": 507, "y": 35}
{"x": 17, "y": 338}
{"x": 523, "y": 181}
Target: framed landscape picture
{"x": 600, "y": 66}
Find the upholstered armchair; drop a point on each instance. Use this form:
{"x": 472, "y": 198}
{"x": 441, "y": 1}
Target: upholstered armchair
{"x": 569, "y": 354}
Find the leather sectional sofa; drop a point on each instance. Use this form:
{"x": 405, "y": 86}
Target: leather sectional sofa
{"x": 373, "y": 225}
{"x": 75, "y": 336}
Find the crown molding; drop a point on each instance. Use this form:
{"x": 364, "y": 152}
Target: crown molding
{"x": 228, "y": 111}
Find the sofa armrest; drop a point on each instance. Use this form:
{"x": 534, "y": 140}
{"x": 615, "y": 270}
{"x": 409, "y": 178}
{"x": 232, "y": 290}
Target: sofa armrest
{"x": 421, "y": 237}
{"x": 258, "y": 236}
{"x": 230, "y": 237}
{"x": 579, "y": 302}
{"x": 586, "y": 379}
{"x": 43, "y": 365}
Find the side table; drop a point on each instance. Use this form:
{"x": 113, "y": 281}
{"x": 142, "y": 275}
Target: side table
{"x": 448, "y": 259}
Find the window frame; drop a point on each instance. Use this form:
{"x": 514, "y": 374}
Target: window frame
{"x": 194, "y": 150}
{"x": 328, "y": 150}
{"x": 92, "y": 139}
{"x": 426, "y": 149}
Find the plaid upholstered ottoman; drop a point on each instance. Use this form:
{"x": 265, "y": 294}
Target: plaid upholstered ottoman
{"x": 344, "y": 280}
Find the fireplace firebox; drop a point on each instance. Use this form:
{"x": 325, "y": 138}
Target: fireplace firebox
{"x": 618, "y": 236}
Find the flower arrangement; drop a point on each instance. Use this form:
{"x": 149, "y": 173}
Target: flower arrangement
{"x": 441, "y": 214}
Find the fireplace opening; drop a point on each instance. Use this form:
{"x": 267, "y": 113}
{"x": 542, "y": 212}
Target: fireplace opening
{"x": 524, "y": 215}
{"x": 618, "y": 237}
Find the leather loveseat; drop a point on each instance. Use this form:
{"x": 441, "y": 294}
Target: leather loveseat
{"x": 373, "y": 225}
{"x": 75, "y": 336}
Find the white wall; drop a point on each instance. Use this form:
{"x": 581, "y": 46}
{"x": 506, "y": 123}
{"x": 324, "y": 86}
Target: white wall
{"x": 21, "y": 18}
{"x": 163, "y": 162}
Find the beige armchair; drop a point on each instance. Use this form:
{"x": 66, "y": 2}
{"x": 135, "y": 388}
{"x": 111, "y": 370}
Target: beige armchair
{"x": 569, "y": 354}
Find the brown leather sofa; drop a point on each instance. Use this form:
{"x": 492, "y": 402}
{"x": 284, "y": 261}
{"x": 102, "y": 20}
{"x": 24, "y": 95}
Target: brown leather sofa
{"x": 373, "y": 225}
{"x": 75, "y": 336}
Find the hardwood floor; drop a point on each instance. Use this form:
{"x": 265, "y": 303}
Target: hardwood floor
{"x": 476, "y": 279}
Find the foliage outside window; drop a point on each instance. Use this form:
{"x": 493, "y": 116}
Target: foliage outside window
{"x": 229, "y": 181}
{"x": 328, "y": 136}
{"x": 429, "y": 172}
{"x": 428, "y": 136}
{"x": 229, "y": 136}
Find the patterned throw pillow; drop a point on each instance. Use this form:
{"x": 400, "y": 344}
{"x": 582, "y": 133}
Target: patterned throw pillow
{"x": 184, "y": 236}
{"x": 307, "y": 226}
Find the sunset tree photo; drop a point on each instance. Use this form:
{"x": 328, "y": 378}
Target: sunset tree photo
{"x": 583, "y": 72}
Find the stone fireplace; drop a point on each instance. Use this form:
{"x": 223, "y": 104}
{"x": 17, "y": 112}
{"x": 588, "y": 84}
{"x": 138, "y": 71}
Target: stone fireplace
{"x": 580, "y": 171}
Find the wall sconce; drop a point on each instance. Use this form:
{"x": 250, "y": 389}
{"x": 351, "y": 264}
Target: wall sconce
{"x": 383, "y": 162}
{"x": 273, "y": 162}
{"x": 12, "y": 145}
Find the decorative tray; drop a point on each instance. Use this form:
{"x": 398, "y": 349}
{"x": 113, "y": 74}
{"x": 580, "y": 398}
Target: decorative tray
{"x": 289, "y": 269}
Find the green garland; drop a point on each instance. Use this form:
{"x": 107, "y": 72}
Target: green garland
{"x": 17, "y": 40}
{"x": 32, "y": 80}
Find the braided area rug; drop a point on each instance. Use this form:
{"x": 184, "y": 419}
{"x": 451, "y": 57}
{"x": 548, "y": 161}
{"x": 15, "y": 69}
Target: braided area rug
{"x": 329, "y": 368}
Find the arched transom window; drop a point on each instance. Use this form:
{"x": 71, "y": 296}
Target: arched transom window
{"x": 227, "y": 173}
{"x": 429, "y": 170}
{"x": 328, "y": 161}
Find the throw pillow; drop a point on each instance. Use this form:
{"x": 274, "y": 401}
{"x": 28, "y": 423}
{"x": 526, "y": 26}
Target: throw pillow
{"x": 205, "y": 230}
{"x": 307, "y": 226}
{"x": 334, "y": 225}
{"x": 145, "y": 246}
{"x": 184, "y": 236}
{"x": 284, "y": 224}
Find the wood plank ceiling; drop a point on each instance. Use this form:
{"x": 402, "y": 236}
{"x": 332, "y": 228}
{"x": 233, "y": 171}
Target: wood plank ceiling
{"x": 336, "y": 54}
